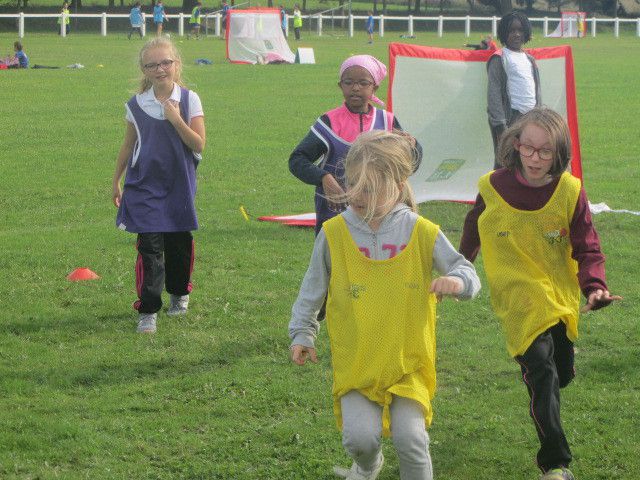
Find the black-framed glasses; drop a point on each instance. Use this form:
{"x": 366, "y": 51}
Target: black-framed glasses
{"x": 528, "y": 151}
{"x": 351, "y": 83}
{"x": 164, "y": 64}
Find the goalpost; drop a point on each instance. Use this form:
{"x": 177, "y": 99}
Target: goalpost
{"x": 215, "y": 16}
{"x": 254, "y": 35}
{"x": 337, "y": 24}
{"x": 572, "y": 24}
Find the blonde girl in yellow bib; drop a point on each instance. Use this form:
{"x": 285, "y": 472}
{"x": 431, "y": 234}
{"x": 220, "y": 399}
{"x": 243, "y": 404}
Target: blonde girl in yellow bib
{"x": 540, "y": 249}
{"x": 375, "y": 261}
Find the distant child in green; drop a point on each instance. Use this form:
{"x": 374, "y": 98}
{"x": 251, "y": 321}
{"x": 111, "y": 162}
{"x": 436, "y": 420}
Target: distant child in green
{"x": 297, "y": 21}
{"x": 194, "y": 21}
{"x": 65, "y": 12}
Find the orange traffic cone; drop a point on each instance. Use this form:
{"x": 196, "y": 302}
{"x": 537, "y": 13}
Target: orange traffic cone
{"x": 80, "y": 274}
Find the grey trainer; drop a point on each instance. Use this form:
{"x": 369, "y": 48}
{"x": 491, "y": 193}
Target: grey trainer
{"x": 178, "y": 305}
{"x": 147, "y": 322}
{"x": 355, "y": 473}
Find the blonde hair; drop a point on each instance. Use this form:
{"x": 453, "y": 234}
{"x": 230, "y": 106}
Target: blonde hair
{"x": 377, "y": 168}
{"x": 160, "y": 42}
{"x": 553, "y": 124}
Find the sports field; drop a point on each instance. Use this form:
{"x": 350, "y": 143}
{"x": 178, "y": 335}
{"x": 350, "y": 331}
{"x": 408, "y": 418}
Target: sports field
{"x": 214, "y": 396}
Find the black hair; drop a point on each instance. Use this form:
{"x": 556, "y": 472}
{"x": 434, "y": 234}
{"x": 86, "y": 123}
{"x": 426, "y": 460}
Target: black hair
{"x": 505, "y": 24}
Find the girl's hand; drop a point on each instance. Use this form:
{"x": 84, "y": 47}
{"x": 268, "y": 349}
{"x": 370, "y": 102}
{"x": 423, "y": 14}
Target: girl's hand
{"x": 300, "y": 353}
{"x": 117, "y": 194}
{"x": 172, "y": 111}
{"x": 331, "y": 187}
{"x": 599, "y": 298}
{"x": 446, "y": 286}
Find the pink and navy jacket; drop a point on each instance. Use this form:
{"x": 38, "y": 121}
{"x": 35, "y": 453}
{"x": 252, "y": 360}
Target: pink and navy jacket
{"x": 328, "y": 142}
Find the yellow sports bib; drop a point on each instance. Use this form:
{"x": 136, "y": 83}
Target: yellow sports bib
{"x": 527, "y": 257}
{"x": 381, "y": 320}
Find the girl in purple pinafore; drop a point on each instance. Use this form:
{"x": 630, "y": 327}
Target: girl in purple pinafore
{"x": 162, "y": 146}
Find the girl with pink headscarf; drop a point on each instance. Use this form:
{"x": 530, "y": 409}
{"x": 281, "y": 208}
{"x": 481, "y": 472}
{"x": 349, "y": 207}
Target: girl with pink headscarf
{"x": 318, "y": 158}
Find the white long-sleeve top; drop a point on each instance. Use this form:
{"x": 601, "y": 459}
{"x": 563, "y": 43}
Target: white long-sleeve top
{"x": 392, "y": 235}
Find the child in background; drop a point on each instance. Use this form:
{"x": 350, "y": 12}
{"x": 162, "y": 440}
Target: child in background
{"x": 225, "y": 16}
{"x": 514, "y": 81}
{"x": 162, "y": 147}
{"x": 375, "y": 261}
{"x": 18, "y": 60}
{"x": 333, "y": 133}
{"x": 20, "y": 56}
{"x": 540, "y": 249}
{"x": 486, "y": 43}
{"x": 369, "y": 26}
{"x": 283, "y": 20}
{"x": 135, "y": 17}
{"x": 67, "y": 21}
{"x": 194, "y": 20}
{"x": 297, "y": 21}
{"x": 159, "y": 17}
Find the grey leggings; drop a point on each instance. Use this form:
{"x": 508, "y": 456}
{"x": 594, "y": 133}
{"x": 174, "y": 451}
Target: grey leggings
{"x": 362, "y": 429}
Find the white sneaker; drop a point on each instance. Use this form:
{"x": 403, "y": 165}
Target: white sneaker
{"x": 356, "y": 473}
{"x": 147, "y": 322}
{"x": 178, "y": 305}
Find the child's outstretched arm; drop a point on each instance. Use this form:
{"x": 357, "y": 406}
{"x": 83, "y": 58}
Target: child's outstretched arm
{"x": 304, "y": 325}
{"x": 458, "y": 276}
{"x": 585, "y": 249}
{"x": 126, "y": 150}
{"x": 598, "y": 299}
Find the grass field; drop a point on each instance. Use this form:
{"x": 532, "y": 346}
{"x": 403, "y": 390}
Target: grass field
{"x": 214, "y": 396}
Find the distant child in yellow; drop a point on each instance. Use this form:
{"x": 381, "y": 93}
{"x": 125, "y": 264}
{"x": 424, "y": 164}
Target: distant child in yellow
{"x": 375, "y": 260}
{"x": 540, "y": 249}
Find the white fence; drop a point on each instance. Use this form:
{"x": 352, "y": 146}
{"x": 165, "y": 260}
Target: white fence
{"x": 410, "y": 22}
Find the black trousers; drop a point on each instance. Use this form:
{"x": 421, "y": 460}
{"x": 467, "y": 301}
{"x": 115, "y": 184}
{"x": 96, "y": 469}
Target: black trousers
{"x": 547, "y": 366}
{"x": 133, "y": 29}
{"x": 296, "y": 31}
{"x": 163, "y": 259}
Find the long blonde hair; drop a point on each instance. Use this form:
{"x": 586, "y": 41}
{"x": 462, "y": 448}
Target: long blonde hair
{"x": 553, "y": 124}
{"x": 160, "y": 42}
{"x": 377, "y": 168}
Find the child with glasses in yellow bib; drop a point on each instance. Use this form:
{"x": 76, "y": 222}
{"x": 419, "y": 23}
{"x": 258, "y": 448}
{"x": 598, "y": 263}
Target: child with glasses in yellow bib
{"x": 540, "y": 249}
{"x": 375, "y": 262}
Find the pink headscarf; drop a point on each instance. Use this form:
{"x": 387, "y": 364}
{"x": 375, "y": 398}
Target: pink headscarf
{"x": 375, "y": 67}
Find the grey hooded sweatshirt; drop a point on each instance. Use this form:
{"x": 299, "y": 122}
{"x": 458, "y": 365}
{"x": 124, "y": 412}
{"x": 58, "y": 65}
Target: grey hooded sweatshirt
{"x": 395, "y": 230}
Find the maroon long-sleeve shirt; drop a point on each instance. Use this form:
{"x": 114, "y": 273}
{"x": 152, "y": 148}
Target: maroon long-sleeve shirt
{"x": 585, "y": 243}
